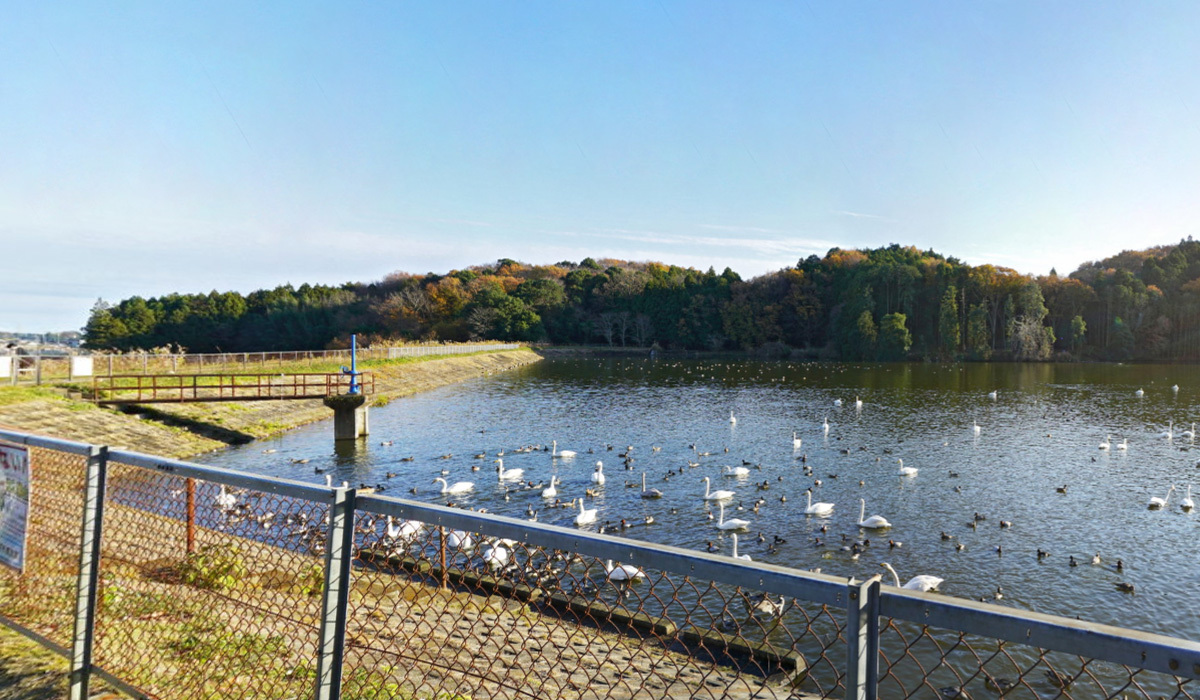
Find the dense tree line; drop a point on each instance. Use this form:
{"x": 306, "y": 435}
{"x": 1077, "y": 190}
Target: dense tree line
{"x": 889, "y": 303}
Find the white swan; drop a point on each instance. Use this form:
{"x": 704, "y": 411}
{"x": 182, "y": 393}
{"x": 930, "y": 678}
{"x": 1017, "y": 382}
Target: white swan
{"x": 555, "y": 454}
{"x": 732, "y": 523}
{"x": 1124, "y": 444}
{"x": 826, "y": 426}
{"x": 737, "y": 471}
{"x": 837, "y": 402}
{"x": 906, "y": 471}
{"x": 1156, "y": 502}
{"x": 1189, "y": 434}
{"x": 503, "y": 474}
{"x": 1175, "y": 388}
{"x": 550, "y": 491}
{"x": 1188, "y": 503}
{"x": 1169, "y": 432}
{"x": 975, "y": 426}
{"x": 496, "y": 556}
{"x": 404, "y": 530}
{"x": 623, "y": 572}
{"x": 992, "y": 394}
{"x": 817, "y": 508}
{"x": 1139, "y": 393}
{"x": 858, "y": 403}
{"x": 1106, "y": 444}
{"x": 649, "y": 493}
{"x": 732, "y": 418}
{"x": 598, "y": 475}
{"x": 716, "y": 495}
{"x": 796, "y": 442}
{"x": 458, "y": 487}
{"x": 743, "y": 557}
{"x": 923, "y": 583}
{"x": 875, "y": 522}
{"x": 586, "y": 515}
{"x": 226, "y": 500}
{"x": 459, "y": 539}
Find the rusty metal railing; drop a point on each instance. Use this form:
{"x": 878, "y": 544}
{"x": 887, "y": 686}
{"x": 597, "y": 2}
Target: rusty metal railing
{"x": 294, "y": 590}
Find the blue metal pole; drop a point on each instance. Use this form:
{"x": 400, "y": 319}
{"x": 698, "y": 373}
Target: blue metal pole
{"x": 354, "y": 364}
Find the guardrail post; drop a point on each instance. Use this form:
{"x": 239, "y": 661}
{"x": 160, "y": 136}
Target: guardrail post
{"x": 336, "y": 597}
{"x": 89, "y": 571}
{"x": 862, "y": 639}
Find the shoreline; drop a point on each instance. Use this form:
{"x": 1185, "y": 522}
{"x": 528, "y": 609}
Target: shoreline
{"x": 186, "y": 430}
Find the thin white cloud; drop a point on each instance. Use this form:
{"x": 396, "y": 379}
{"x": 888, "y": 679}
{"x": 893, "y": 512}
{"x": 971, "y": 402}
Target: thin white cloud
{"x": 861, "y": 215}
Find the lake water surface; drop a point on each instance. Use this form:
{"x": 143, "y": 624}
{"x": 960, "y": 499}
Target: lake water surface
{"x": 1040, "y": 432}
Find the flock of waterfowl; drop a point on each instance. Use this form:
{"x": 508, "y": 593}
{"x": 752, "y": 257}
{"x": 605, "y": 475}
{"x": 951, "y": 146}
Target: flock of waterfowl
{"x": 587, "y": 487}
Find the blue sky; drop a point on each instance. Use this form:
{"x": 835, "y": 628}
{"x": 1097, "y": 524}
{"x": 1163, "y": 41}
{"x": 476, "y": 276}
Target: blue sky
{"x": 148, "y": 148}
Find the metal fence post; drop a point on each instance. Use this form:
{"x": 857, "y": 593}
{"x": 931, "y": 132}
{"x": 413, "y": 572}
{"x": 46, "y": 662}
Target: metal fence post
{"x": 336, "y": 597}
{"x": 89, "y": 571}
{"x": 862, "y": 639}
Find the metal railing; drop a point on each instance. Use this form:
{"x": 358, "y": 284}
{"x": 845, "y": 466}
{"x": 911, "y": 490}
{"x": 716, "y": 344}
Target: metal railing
{"x": 38, "y": 369}
{"x": 180, "y": 388}
{"x": 284, "y": 589}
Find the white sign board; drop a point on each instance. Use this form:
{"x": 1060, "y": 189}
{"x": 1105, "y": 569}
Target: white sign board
{"x": 14, "y": 504}
{"x": 81, "y": 366}
{"x": 6, "y": 366}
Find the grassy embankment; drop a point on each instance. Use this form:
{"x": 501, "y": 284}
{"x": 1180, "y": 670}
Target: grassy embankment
{"x": 30, "y": 671}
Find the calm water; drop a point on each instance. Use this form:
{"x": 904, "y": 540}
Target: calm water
{"x": 1041, "y": 432}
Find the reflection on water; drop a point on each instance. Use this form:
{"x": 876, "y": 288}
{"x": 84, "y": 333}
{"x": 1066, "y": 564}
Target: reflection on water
{"x": 1035, "y": 462}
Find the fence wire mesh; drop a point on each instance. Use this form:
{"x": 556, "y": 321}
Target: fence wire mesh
{"x": 917, "y": 661}
{"x": 234, "y": 614}
{"x": 43, "y": 598}
{"x": 207, "y": 591}
{"x": 441, "y": 611}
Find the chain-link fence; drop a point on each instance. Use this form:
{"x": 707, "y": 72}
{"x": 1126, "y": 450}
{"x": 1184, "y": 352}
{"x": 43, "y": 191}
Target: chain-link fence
{"x": 211, "y": 583}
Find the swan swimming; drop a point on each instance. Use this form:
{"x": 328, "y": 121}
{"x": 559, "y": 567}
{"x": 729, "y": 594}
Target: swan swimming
{"x": 458, "y": 487}
{"x": 737, "y": 471}
{"x": 623, "y": 572}
{"x": 404, "y": 530}
{"x": 992, "y": 395}
{"x": 598, "y": 475}
{"x": 716, "y": 495}
{"x": 732, "y": 418}
{"x": 555, "y": 454}
{"x": 1139, "y": 393}
{"x": 459, "y": 539}
{"x": 1188, "y": 503}
{"x": 649, "y": 493}
{"x": 550, "y": 491}
{"x": 1106, "y": 444}
{"x": 906, "y": 471}
{"x": 837, "y": 402}
{"x": 1189, "y": 434}
{"x": 732, "y": 523}
{"x": 506, "y": 474}
{"x": 857, "y": 403}
{"x": 226, "y": 500}
{"x": 817, "y": 508}
{"x": 743, "y": 557}
{"x": 826, "y": 425}
{"x": 1156, "y": 502}
{"x": 587, "y": 515}
{"x": 923, "y": 583}
{"x": 975, "y": 426}
{"x": 796, "y": 442}
{"x": 1169, "y": 432}
{"x": 875, "y": 522}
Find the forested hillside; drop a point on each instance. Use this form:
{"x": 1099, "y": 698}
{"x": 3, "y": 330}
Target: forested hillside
{"x": 888, "y": 303}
